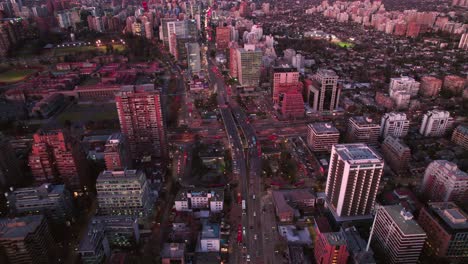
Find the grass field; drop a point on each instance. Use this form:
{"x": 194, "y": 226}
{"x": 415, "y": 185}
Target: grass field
{"x": 12, "y": 76}
{"x": 89, "y": 112}
{"x": 70, "y": 50}
{"x": 345, "y": 44}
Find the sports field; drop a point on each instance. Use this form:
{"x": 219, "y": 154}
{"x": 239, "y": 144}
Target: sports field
{"x": 12, "y": 76}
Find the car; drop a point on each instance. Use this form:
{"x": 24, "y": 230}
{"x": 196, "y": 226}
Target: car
{"x": 255, "y": 237}
{"x": 255, "y": 214}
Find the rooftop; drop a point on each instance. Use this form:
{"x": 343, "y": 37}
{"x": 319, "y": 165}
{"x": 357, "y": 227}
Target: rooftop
{"x": 324, "y": 128}
{"x": 121, "y": 174}
{"x": 213, "y": 194}
{"x": 20, "y": 227}
{"x": 280, "y": 203}
{"x": 210, "y": 230}
{"x": 327, "y": 73}
{"x": 357, "y": 153}
{"x": 405, "y": 222}
{"x": 173, "y": 250}
{"x": 451, "y": 215}
{"x": 363, "y": 121}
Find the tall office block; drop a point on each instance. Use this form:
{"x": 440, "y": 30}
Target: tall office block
{"x": 53, "y": 201}
{"x": 353, "y": 179}
{"x": 193, "y": 57}
{"x": 394, "y": 124}
{"x": 397, "y": 154}
{"x": 141, "y": 119}
{"x": 55, "y": 156}
{"x": 323, "y": 92}
{"x": 10, "y": 172}
{"x": 404, "y": 84}
{"x": 233, "y": 70}
{"x": 398, "y": 235}
{"x": 444, "y": 181}
{"x": 362, "y": 130}
{"x": 27, "y": 240}
{"x": 329, "y": 247}
{"x": 123, "y": 193}
{"x": 284, "y": 80}
{"x": 322, "y": 136}
{"x": 446, "y": 226}
{"x": 117, "y": 153}
{"x": 463, "y": 44}
{"x": 249, "y": 63}
{"x": 435, "y": 123}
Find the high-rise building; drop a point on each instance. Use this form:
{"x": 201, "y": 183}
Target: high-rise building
{"x": 94, "y": 246}
{"x": 329, "y": 247}
{"x": 193, "y": 57}
{"x": 223, "y": 37}
{"x": 123, "y": 192}
{"x": 405, "y": 84}
{"x": 284, "y": 80}
{"x": 446, "y": 226}
{"x": 463, "y": 44}
{"x": 430, "y": 86}
{"x": 435, "y": 123}
{"x": 26, "y": 240}
{"x": 460, "y": 136}
{"x": 322, "y": 136}
{"x": 398, "y": 235}
{"x": 445, "y": 182}
{"x": 396, "y": 153}
{"x": 362, "y": 130}
{"x": 323, "y": 91}
{"x": 233, "y": 46}
{"x": 117, "y": 153}
{"x": 353, "y": 179}
{"x": 141, "y": 119}
{"x": 53, "y": 201}
{"x": 291, "y": 104}
{"x": 249, "y": 63}
{"x": 394, "y": 124}
{"x": 10, "y": 172}
{"x": 57, "y": 157}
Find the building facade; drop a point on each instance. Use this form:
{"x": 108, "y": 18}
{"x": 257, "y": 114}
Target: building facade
{"x": 460, "y": 136}
{"x": 323, "y": 91}
{"x": 117, "y": 153}
{"x": 397, "y": 154}
{"x": 142, "y": 120}
{"x": 435, "y": 123}
{"x": 430, "y": 86}
{"x": 10, "y": 172}
{"x": 322, "y": 136}
{"x": 394, "y": 124}
{"x": 398, "y": 235}
{"x": 353, "y": 179}
{"x": 362, "y": 130}
{"x": 199, "y": 199}
{"x": 444, "y": 182}
{"x": 249, "y": 64}
{"x": 124, "y": 192}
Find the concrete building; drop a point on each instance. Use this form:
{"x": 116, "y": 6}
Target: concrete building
{"x": 402, "y": 99}
{"x": 435, "y": 123}
{"x": 322, "y": 136}
{"x": 233, "y": 67}
{"x": 117, "y": 153}
{"x": 460, "y": 136}
{"x": 397, "y": 154}
{"x": 173, "y": 253}
{"x": 210, "y": 238}
{"x": 10, "y": 172}
{"x": 284, "y": 211}
{"x": 398, "y": 235}
{"x": 53, "y": 201}
{"x": 121, "y": 231}
{"x": 249, "y": 64}
{"x": 27, "y": 240}
{"x": 200, "y": 199}
{"x": 444, "y": 182}
{"x": 57, "y": 157}
{"x": 193, "y": 57}
{"x": 291, "y": 104}
{"x": 357, "y": 246}
{"x": 394, "y": 124}
{"x": 223, "y": 37}
{"x": 362, "y": 130}
{"x": 353, "y": 180}
{"x": 323, "y": 91}
{"x": 124, "y": 192}
{"x": 142, "y": 120}
{"x": 430, "y": 86}
{"x": 446, "y": 226}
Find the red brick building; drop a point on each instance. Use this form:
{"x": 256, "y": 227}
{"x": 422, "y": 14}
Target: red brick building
{"x": 56, "y": 157}
{"x": 223, "y": 37}
{"x": 330, "y": 247}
